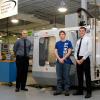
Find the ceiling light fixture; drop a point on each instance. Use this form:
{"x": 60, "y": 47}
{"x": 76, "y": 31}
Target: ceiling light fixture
{"x": 15, "y": 21}
{"x": 43, "y": 28}
{"x": 62, "y": 8}
{"x": 54, "y": 28}
{"x": 14, "y": 35}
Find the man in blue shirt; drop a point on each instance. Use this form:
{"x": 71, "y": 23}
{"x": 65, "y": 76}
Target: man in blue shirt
{"x": 22, "y": 48}
{"x": 63, "y": 49}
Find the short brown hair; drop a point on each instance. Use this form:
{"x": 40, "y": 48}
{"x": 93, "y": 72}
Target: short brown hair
{"x": 82, "y": 27}
{"x": 62, "y": 32}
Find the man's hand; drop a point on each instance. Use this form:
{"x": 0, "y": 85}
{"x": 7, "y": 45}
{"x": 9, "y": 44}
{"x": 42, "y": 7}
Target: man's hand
{"x": 78, "y": 62}
{"x": 81, "y": 61}
{"x": 61, "y": 60}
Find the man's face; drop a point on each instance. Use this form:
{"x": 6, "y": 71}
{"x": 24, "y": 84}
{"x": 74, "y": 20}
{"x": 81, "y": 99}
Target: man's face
{"x": 82, "y": 32}
{"x": 24, "y": 34}
{"x": 62, "y": 36}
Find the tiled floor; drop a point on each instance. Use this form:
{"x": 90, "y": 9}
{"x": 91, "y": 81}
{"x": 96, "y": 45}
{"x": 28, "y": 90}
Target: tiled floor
{"x": 8, "y": 93}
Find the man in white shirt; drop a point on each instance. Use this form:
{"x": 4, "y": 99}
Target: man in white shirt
{"x": 82, "y": 52}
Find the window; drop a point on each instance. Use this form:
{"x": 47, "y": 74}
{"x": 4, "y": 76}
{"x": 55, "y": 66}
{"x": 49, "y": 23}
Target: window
{"x": 46, "y": 51}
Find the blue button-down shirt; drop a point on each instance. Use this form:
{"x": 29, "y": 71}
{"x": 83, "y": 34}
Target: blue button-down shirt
{"x": 19, "y": 47}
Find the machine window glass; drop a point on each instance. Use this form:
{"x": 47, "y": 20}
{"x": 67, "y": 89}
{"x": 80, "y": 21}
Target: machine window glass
{"x": 46, "y": 51}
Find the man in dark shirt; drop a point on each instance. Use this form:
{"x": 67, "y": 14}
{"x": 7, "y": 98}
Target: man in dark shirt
{"x": 63, "y": 49}
{"x": 21, "y": 49}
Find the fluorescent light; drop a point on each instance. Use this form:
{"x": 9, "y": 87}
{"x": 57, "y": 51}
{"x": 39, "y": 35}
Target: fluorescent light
{"x": 62, "y": 9}
{"x": 97, "y": 38}
{"x": 15, "y": 21}
{"x": 18, "y": 38}
{"x": 43, "y": 28}
{"x": 14, "y": 35}
{"x": 54, "y": 28}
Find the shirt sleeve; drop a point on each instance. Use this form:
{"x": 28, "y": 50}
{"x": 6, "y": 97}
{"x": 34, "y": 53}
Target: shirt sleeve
{"x": 88, "y": 52}
{"x": 76, "y": 48}
{"x": 15, "y": 46}
{"x": 70, "y": 45}
{"x": 31, "y": 46}
{"x": 56, "y": 46}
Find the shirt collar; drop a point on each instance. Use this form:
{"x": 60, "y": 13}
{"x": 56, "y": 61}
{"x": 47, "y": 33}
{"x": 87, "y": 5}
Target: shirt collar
{"x": 63, "y": 40}
{"x": 24, "y": 38}
{"x": 84, "y": 36}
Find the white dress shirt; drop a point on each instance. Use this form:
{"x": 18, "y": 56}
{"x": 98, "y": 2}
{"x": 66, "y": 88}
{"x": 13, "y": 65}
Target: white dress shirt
{"x": 86, "y": 47}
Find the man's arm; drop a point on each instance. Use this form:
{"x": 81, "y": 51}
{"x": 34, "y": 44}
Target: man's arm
{"x": 68, "y": 54}
{"x": 30, "y": 47}
{"x": 15, "y": 47}
{"x": 88, "y": 52}
{"x": 75, "y": 53}
{"x": 60, "y": 59}
{"x": 69, "y": 51}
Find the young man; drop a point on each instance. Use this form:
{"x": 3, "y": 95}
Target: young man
{"x": 63, "y": 49}
{"x": 82, "y": 53}
{"x": 22, "y": 48}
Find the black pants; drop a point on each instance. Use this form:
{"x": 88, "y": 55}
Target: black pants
{"x": 22, "y": 64}
{"x": 82, "y": 69}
